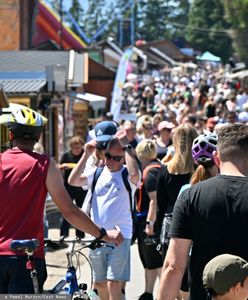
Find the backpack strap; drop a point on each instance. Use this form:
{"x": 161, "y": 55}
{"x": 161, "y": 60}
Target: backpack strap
{"x": 95, "y": 178}
{"x": 124, "y": 175}
{"x": 97, "y": 173}
{"x": 148, "y": 168}
{"x": 141, "y": 187}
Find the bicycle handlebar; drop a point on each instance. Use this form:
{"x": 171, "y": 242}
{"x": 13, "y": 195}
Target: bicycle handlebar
{"x": 59, "y": 243}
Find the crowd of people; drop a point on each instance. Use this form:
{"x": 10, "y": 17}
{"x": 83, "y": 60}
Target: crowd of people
{"x": 173, "y": 180}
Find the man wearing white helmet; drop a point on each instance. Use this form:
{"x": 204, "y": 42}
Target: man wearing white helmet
{"x": 25, "y": 179}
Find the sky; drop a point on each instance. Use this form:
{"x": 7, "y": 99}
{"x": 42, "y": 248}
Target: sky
{"x": 66, "y": 3}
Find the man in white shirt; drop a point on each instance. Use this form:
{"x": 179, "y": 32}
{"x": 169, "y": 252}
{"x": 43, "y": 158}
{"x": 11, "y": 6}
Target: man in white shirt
{"x": 110, "y": 205}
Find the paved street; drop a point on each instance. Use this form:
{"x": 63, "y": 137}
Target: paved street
{"x": 56, "y": 263}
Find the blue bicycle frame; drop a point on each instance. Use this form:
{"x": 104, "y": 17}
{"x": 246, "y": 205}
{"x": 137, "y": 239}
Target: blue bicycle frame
{"x": 70, "y": 278}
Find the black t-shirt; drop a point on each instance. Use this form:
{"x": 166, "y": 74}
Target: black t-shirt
{"x": 74, "y": 192}
{"x": 214, "y": 214}
{"x": 168, "y": 187}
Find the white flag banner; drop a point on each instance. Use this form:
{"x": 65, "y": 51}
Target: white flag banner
{"x": 120, "y": 79}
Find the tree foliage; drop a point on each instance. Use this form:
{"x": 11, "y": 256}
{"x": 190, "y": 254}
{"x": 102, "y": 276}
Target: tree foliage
{"x": 151, "y": 19}
{"x": 77, "y": 11}
{"x": 159, "y": 19}
{"x": 236, "y": 13}
{"x": 205, "y": 24}
{"x": 207, "y": 28}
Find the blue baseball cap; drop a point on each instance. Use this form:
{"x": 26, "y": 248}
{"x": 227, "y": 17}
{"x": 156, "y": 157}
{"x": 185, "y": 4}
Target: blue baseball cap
{"x": 105, "y": 130}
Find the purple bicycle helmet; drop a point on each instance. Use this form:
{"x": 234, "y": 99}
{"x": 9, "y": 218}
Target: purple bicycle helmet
{"x": 203, "y": 147}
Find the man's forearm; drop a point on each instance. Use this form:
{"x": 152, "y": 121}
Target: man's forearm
{"x": 173, "y": 268}
{"x": 132, "y": 166}
{"x": 74, "y": 178}
{"x": 170, "y": 283}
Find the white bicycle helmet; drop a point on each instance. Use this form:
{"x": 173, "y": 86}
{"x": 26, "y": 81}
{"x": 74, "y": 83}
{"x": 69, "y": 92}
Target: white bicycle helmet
{"x": 203, "y": 147}
{"x": 25, "y": 123}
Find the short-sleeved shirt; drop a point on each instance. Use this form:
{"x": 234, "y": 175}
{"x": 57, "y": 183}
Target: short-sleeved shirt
{"x": 214, "y": 215}
{"x": 110, "y": 201}
{"x": 168, "y": 187}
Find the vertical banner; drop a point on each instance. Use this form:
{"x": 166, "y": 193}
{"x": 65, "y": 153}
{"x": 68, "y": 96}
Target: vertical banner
{"x": 120, "y": 79}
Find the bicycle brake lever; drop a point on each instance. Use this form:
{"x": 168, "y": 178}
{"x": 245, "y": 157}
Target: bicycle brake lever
{"x": 95, "y": 244}
{"x": 98, "y": 244}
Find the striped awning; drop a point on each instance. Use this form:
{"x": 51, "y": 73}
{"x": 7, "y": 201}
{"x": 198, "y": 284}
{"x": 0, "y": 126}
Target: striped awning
{"x": 22, "y": 86}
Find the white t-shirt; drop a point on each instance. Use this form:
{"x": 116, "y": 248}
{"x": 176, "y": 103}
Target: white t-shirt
{"x": 110, "y": 202}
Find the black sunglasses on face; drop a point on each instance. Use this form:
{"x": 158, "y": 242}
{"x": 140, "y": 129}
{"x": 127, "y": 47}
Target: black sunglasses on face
{"x": 115, "y": 158}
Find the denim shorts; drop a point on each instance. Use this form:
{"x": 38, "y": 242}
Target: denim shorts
{"x": 111, "y": 262}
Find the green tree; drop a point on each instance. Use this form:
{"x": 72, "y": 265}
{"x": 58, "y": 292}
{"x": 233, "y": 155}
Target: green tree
{"x": 76, "y": 11}
{"x": 94, "y": 16}
{"x": 236, "y": 13}
{"x": 178, "y": 18}
{"x": 161, "y": 19}
{"x": 207, "y": 28}
{"x": 151, "y": 19}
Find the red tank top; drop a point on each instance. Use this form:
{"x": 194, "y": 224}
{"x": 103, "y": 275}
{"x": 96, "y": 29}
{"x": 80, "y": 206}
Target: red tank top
{"x": 22, "y": 197}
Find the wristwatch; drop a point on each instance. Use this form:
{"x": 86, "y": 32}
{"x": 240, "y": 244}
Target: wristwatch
{"x": 127, "y": 147}
{"x": 103, "y": 232}
{"x": 150, "y": 223}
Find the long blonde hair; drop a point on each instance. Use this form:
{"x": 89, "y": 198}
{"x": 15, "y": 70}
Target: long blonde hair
{"x": 182, "y": 161}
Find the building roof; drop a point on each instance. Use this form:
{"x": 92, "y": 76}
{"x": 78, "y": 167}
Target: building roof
{"x": 22, "y": 82}
{"x": 14, "y": 61}
{"x": 36, "y": 62}
{"x": 23, "y": 86}
{"x": 167, "y": 47}
{"x": 111, "y": 45}
{"x": 111, "y": 58}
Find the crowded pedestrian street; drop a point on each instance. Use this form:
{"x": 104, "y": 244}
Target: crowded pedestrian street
{"x": 123, "y": 150}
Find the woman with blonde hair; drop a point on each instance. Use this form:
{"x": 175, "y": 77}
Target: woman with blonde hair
{"x": 175, "y": 173}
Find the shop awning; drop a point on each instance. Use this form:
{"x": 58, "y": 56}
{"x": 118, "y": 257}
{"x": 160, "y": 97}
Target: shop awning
{"x": 241, "y": 74}
{"x": 96, "y": 101}
{"x": 22, "y": 82}
{"x": 208, "y": 56}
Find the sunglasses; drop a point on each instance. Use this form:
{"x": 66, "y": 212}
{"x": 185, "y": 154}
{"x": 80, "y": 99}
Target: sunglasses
{"x": 115, "y": 158}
